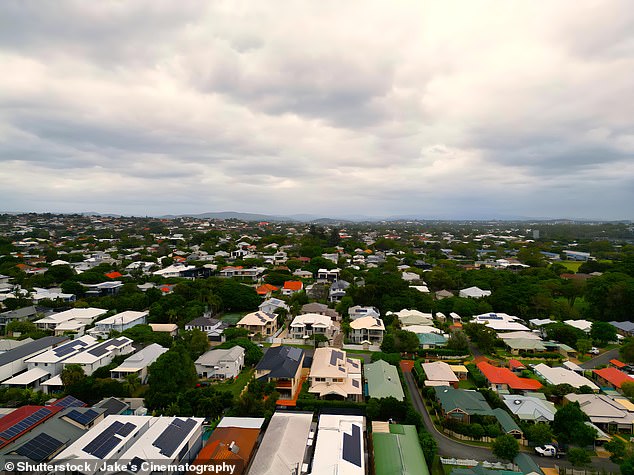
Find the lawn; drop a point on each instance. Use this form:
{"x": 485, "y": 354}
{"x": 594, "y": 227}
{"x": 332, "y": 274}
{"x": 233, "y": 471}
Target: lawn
{"x": 237, "y": 384}
{"x": 466, "y": 384}
{"x": 572, "y": 266}
{"x": 232, "y": 318}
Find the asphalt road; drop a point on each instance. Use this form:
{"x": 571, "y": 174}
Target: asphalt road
{"x": 448, "y": 447}
{"x": 601, "y": 360}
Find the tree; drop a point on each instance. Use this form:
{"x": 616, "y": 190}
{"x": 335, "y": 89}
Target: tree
{"x": 406, "y": 341}
{"x": 538, "y": 434}
{"x": 388, "y": 345}
{"x": 196, "y": 342}
{"x": 626, "y": 351}
{"x": 72, "y": 375}
{"x": 584, "y": 345}
{"x": 233, "y": 333}
{"x": 628, "y": 389}
{"x": 569, "y": 426}
{"x": 505, "y": 447}
{"x": 602, "y": 333}
{"x": 617, "y": 448}
{"x": 458, "y": 341}
{"x": 428, "y": 444}
{"x": 578, "y": 457}
{"x": 564, "y": 333}
{"x": 172, "y": 373}
{"x": 252, "y": 352}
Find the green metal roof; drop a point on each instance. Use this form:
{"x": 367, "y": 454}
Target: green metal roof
{"x": 383, "y": 380}
{"x": 480, "y": 470}
{"x": 471, "y": 402}
{"x": 431, "y": 339}
{"x": 526, "y": 464}
{"x": 506, "y": 421}
{"x": 398, "y": 452}
{"x": 524, "y": 344}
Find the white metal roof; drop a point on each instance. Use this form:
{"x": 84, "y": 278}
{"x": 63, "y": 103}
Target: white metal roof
{"x": 27, "y": 377}
{"x": 561, "y": 375}
{"x": 330, "y": 456}
{"x": 123, "y": 318}
{"x": 50, "y": 356}
{"x": 242, "y": 422}
{"x": 314, "y": 319}
{"x": 439, "y": 371}
{"x": 142, "y": 358}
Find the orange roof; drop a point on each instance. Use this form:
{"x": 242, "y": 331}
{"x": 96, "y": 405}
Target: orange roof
{"x": 515, "y": 364}
{"x": 113, "y": 275}
{"x": 22, "y": 266}
{"x": 614, "y": 376}
{"x": 293, "y": 285}
{"x": 217, "y": 446}
{"x": 497, "y": 375}
{"x": 617, "y": 363}
{"x": 179, "y": 259}
{"x": 266, "y": 288}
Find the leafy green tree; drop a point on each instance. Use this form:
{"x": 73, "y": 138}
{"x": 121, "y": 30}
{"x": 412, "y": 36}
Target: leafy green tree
{"x": 72, "y": 375}
{"x": 252, "y": 352}
{"x": 617, "y": 448}
{"x": 626, "y": 351}
{"x": 23, "y": 327}
{"x": 233, "y": 333}
{"x": 458, "y": 341}
{"x": 627, "y": 466}
{"x": 172, "y": 373}
{"x": 564, "y": 333}
{"x": 578, "y": 457}
{"x": 196, "y": 342}
{"x": 406, "y": 341}
{"x": 583, "y": 345}
{"x": 602, "y": 333}
{"x": 505, "y": 447}
{"x": 388, "y": 345}
{"x": 628, "y": 389}
{"x": 569, "y": 426}
{"x": 428, "y": 444}
{"x": 538, "y": 434}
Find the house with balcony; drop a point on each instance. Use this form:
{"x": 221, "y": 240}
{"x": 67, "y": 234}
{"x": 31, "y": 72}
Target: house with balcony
{"x": 282, "y": 365}
{"x": 335, "y": 376}
{"x": 119, "y": 322}
{"x": 366, "y": 330}
{"x": 101, "y": 354}
{"x": 309, "y": 324}
{"x": 220, "y": 363}
{"x": 359, "y": 311}
{"x": 213, "y": 327}
{"x": 328, "y": 275}
{"x": 259, "y": 323}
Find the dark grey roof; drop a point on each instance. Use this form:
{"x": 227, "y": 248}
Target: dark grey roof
{"x": 282, "y": 361}
{"x": 25, "y": 350}
{"x": 20, "y": 312}
{"x": 339, "y": 285}
{"x": 624, "y": 326}
{"x": 112, "y": 406}
{"x": 207, "y": 322}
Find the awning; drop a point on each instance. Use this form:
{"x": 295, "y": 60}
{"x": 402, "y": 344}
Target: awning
{"x": 54, "y": 381}
{"x": 28, "y": 377}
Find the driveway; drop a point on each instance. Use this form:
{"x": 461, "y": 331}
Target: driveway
{"x": 601, "y": 360}
{"x": 450, "y": 448}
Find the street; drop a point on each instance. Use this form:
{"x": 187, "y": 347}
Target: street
{"x": 601, "y": 360}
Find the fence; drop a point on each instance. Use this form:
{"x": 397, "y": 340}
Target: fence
{"x": 473, "y": 463}
{"x": 362, "y": 347}
{"x": 582, "y": 471}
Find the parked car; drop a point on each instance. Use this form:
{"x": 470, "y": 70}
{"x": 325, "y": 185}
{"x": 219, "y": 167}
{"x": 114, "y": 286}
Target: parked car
{"x": 594, "y": 351}
{"x": 547, "y": 451}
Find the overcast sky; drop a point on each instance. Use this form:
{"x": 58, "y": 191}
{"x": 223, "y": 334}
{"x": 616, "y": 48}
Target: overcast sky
{"x": 431, "y": 108}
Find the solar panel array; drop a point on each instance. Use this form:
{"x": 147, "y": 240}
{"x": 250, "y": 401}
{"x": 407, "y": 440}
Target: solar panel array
{"x": 69, "y": 348}
{"x": 135, "y": 464}
{"x": 26, "y": 423}
{"x": 352, "y": 446}
{"x": 173, "y": 436}
{"x": 40, "y": 447}
{"x": 69, "y": 401}
{"x": 102, "y": 349}
{"x": 334, "y": 356}
{"x": 105, "y": 442}
{"x": 83, "y": 418}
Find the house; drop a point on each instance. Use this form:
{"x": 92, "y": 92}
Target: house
{"x": 397, "y": 450}
{"x": 461, "y": 371}
{"x": 383, "y": 380}
{"x": 460, "y": 404}
{"x": 439, "y": 373}
{"x": 138, "y": 363}
{"x": 175, "y": 270}
{"x": 23, "y": 420}
{"x": 622, "y": 328}
{"x": 220, "y": 363}
{"x": 474, "y": 293}
{"x": 103, "y": 289}
{"x": 583, "y": 325}
{"x": 321, "y": 309}
{"x": 500, "y": 322}
{"x": 340, "y": 446}
{"x": 133, "y": 440}
{"x": 504, "y": 379}
{"x": 265, "y": 290}
{"x": 612, "y": 377}
{"x": 359, "y": 311}
{"x": 443, "y": 294}
{"x": 334, "y": 375}
{"x": 272, "y": 304}
{"x": 515, "y": 365}
{"x": 17, "y": 315}
{"x": 413, "y": 317}
{"x": 529, "y": 409}
{"x": 170, "y": 328}
{"x": 13, "y": 362}
{"x": 79, "y": 316}
{"x": 285, "y": 445}
{"x": 303, "y": 274}
{"x": 508, "y": 425}
{"x": 577, "y": 255}
{"x": 7, "y": 344}
{"x": 259, "y": 323}
{"x": 561, "y": 375}
{"x": 524, "y": 345}
{"x": 306, "y": 325}
{"x": 282, "y": 365}
{"x": 328, "y": 275}
{"x": 337, "y": 290}
{"x": 292, "y": 286}
{"x": 212, "y": 327}
{"x": 617, "y": 364}
{"x": 119, "y": 322}
{"x": 368, "y": 330}
{"x": 100, "y": 355}
{"x": 253, "y": 273}
{"x": 429, "y": 340}
{"x": 608, "y": 413}
{"x": 234, "y": 440}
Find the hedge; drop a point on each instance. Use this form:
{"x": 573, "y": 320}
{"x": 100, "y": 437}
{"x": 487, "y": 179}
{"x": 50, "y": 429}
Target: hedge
{"x": 442, "y": 352}
{"x": 478, "y": 378}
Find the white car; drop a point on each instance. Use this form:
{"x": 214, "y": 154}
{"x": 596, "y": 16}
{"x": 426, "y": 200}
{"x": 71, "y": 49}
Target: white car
{"x": 546, "y": 451}
{"x": 594, "y": 351}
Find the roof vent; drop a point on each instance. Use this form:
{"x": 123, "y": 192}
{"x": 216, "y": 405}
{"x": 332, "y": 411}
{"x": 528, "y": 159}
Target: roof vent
{"x": 234, "y": 447}
{"x": 517, "y": 401}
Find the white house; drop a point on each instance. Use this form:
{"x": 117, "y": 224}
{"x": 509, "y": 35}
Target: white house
{"x": 138, "y": 363}
{"x": 13, "y": 362}
{"x": 367, "y": 330}
{"x": 359, "y": 311}
{"x": 474, "y": 293}
{"x": 221, "y": 364}
{"x": 334, "y": 374}
{"x": 175, "y": 270}
{"x": 500, "y": 322}
{"x": 101, "y": 354}
{"x": 119, "y": 322}
{"x": 340, "y": 446}
{"x": 413, "y": 317}
{"x": 306, "y": 325}
{"x": 52, "y": 360}
{"x": 561, "y": 375}
{"x": 80, "y": 316}
{"x": 261, "y": 323}
{"x": 583, "y": 325}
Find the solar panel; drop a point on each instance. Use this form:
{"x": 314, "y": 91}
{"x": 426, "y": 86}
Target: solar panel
{"x": 173, "y": 436}
{"x": 63, "y": 351}
{"x": 334, "y": 356}
{"x": 69, "y": 401}
{"x": 342, "y": 369}
{"x": 105, "y": 441}
{"x": 352, "y": 446}
{"x": 135, "y": 464}
{"x": 25, "y": 423}
{"x": 99, "y": 350}
{"x": 40, "y": 447}
{"x": 83, "y": 418}
{"x": 126, "y": 429}
{"x": 105, "y": 448}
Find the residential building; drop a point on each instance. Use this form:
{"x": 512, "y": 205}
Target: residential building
{"x": 175, "y": 270}
{"x": 100, "y": 355}
{"x": 7, "y": 344}
{"x": 170, "y": 328}
{"x": 340, "y": 446}
{"x": 321, "y": 309}
{"x": 529, "y": 408}
{"x": 285, "y": 445}
{"x": 367, "y": 330}
{"x": 23, "y": 420}
{"x": 500, "y": 322}
{"x": 103, "y": 289}
{"x": 234, "y": 440}
{"x": 212, "y": 327}
{"x": 561, "y": 375}
{"x": 503, "y": 379}
{"x": 265, "y": 290}
{"x": 54, "y": 294}
{"x": 272, "y": 304}
{"x": 17, "y": 315}
{"x": 81, "y": 317}
{"x": 439, "y": 373}
{"x": 253, "y": 273}
{"x": 583, "y": 325}
{"x": 13, "y": 362}
{"x": 460, "y": 404}
{"x": 338, "y": 290}
{"x": 334, "y": 375}
{"x": 220, "y": 363}
{"x": 306, "y": 325}
{"x": 328, "y": 275}
{"x": 292, "y": 286}
{"x": 413, "y": 317}
{"x": 577, "y": 255}
{"x": 612, "y": 377}
{"x": 474, "y": 293}
{"x": 259, "y": 323}
{"x": 283, "y": 366}
{"x": 622, "y": 328}
{"x": 397, "y": 450}
{"x": 443, "y": 294}
{"x": 119, "y": 322}
{"x": 383, "y": 380}
{"x": 359, "y": 311}
{"x": 137, "y": 364}
{"x": 608, "y": 413}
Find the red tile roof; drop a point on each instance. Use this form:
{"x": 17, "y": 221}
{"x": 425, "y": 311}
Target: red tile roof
{"x": 618, "y": 364}
{"x": 293, "y": 285}
{"x": 113, "y": 275}
{"x": 515, "y": 364}
{"x": 497, "y": 375}
{"x": 614, "y": 376}
{"x": 266, "y": 288}
{"x": 19, "y": 415}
